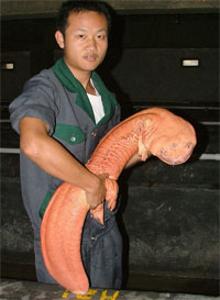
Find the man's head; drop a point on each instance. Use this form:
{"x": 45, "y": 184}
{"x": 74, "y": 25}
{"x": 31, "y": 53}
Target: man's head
{"x": 82, "y": 32}
{"x": 69, "y": 7}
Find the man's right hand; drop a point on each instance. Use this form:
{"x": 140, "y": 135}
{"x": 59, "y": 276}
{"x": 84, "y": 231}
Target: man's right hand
{"x": 97, "y": 195}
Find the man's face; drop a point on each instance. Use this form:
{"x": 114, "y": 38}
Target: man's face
{"x": 85, "y": 42}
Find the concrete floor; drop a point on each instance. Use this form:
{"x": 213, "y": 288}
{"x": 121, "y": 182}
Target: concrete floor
{"x": 28, "y": 290}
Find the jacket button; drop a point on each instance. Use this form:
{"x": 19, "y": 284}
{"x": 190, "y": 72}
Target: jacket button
{"x": 93, "y": 133}
{"x": 73, "y": 139}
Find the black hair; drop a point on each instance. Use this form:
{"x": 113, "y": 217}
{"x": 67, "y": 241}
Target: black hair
{"x": 81, "y": 6}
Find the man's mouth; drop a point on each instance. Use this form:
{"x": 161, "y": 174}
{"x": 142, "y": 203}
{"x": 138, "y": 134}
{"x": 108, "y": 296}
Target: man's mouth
{"x": 90, "y": 57}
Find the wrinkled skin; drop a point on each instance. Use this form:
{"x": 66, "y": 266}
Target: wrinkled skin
{"x": 152, "y": 131}
{"x": 168, "y": 137}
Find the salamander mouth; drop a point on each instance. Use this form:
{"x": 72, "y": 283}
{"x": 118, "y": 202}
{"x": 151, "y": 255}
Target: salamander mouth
{"x": 170, "y": 160}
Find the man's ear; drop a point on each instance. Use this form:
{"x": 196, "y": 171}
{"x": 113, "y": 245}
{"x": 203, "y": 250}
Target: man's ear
{"x": 59, "y": 38}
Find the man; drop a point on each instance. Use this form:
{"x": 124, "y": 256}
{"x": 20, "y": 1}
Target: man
{"x": 61, "y": 116}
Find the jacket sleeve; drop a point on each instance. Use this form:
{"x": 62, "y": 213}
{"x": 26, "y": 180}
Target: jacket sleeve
{"x": 37, "y": 100}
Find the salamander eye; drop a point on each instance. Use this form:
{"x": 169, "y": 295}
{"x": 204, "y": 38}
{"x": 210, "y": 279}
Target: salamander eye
{"x": 189, "y": 145}
{"x": 174, "y": 145}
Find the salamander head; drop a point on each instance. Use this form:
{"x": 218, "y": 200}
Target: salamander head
{"x": 173, "y": 139}
{"x": 173, "y": 151}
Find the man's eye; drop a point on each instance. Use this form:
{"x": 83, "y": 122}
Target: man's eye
{"x": 101, "y": 36}
{"x": 80, "y": 36}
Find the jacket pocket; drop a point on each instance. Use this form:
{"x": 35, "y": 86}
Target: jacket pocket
{"x": 69, "y": 134}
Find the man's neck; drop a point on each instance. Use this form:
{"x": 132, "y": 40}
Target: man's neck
{"x": 82, "y": 77}
{"x": 90, "y": 89}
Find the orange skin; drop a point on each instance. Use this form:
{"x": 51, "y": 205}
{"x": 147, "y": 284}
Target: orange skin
{"x": 154, "y": 131}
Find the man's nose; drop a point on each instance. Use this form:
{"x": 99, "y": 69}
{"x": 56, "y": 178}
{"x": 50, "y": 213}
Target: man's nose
{"x": 91, "y": 42}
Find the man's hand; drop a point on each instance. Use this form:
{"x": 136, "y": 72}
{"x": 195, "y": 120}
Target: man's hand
{"x": 98, "y": 194}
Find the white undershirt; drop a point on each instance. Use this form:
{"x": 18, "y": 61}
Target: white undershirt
{"x": 97, "y": 106}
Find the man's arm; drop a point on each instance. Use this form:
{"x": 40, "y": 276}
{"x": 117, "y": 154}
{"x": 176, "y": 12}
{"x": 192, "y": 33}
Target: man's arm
{"x": 54, "y": 159}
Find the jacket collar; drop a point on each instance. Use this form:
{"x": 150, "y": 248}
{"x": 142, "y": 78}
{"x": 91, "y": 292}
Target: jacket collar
{"x": 70, "y": 82}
